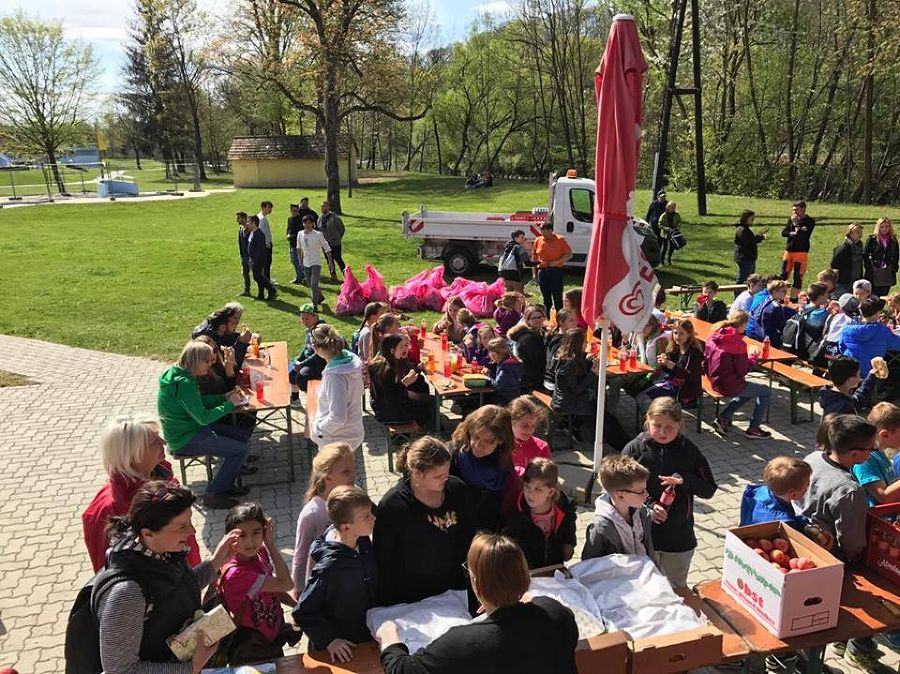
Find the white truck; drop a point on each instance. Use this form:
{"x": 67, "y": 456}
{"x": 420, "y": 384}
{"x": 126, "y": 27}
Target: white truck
{"x": 464, "y": 240}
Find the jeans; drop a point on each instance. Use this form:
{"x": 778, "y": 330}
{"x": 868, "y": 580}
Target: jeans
{"x": 336, "y": 257}
{"x": 312, "y": 370}
{"x": 227, "y": 442}
{"x": 262, "y": 279}
{"x": 745, "y": 268}
{"x": 751, "y": 390}
{"x": 245, "y": 270}
{"x": 312, "y": 275}
{"x": 269, "y": 262}
{"x": 550, "y": 280}
{"x": 298, "y": 268}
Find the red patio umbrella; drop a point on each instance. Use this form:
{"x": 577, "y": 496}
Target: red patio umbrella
{"x": 619, "y": 283}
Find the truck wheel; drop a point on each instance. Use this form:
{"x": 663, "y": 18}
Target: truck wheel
{"x": 459, "y": 261}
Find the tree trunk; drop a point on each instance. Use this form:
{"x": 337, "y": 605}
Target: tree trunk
{"x": 331, "y": 126}
{"x": 868, "y": 121}
{"x": 54, "y": 167}
{"x": 437, "y": 142}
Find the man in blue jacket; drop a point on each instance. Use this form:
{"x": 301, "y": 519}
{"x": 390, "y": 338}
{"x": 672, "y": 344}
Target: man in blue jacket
{"x": 870, "y": 338}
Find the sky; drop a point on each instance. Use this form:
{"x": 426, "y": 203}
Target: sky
{"x": 103, "y": 24}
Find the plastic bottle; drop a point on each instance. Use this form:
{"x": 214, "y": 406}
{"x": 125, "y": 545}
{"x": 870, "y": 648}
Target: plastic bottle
{"x": 447, "y": 367}
{"x": 245, "y": 377}
{"x": 445, "y": 342}
{"x": 767, "y": 347}
{"x": 254, "y": 346}
{"x": 423, "y": 329}
{"x": 623, "y": 358}
{"x": 432, "y": 365}
{"x": 667, "y": 498}
{"x": 460, "y": 362}
{"x": 260, "y": 390}
{"x": 632, "y": 358}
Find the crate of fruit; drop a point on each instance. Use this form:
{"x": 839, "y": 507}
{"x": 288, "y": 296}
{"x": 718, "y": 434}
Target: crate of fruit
{"x": 883, "y": 551}
{"x": 790, "y": 584}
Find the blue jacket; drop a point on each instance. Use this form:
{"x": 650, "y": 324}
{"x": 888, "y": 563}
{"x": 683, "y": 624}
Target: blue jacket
{"x": 864, "y": 341}
{"x": 341, "y": 588}
{"x": 759, "y": 504}
{"x": 758, "y": 299}
{"x": 774, "y": 316}
{"x": 506, "y": 379}
{"x": 858, "y": 402}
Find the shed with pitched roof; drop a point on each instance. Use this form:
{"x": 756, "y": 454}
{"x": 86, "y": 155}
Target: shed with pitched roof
{"x": 287, "y": 161}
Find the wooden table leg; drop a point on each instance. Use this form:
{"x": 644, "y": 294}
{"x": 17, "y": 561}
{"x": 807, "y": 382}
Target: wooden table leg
{"x": 437, "y": 411}
{"x": 815, "y": 660}
{"x": 290, "y": 442}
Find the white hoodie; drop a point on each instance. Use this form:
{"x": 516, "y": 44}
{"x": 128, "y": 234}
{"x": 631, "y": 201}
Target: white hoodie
{"x": 339, "y": 415}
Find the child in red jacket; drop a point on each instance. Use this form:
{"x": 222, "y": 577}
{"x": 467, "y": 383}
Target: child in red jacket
{"x": 726, "y": 363}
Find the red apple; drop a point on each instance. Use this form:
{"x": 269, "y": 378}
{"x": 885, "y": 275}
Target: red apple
{"x": 804, "y": 563}
{"x": 883, "y": 545}
{"x": 751, "y": 543}
{"x": 778, "y": 556}
{"x": 781, "y": 544}
{"x": 766, "y": 545}
{"x": 779, "y": 567}
{"x": 761, "y": 553}
{"x": 792, "y": 562}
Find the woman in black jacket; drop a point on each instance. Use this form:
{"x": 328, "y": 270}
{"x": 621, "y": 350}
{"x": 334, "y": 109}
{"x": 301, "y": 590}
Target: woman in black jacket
{"x": 745, "y": 246}
{"x": 848, "y": 258}
{"x": 399, "y": 390}
{"x": 531, "y": 347}
{"x": 145, "y": 563}
{"x": 531, "y": 637}
{"x": 422, "y": 527}
{"x": 882, "y": 255}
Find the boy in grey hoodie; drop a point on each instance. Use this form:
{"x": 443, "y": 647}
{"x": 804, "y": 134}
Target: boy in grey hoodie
{"x": 622, "y": 522}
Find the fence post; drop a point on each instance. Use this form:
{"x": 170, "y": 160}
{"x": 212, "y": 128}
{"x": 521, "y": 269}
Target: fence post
{"x": 196, "y": 187}
{"x": 175, "y": 176}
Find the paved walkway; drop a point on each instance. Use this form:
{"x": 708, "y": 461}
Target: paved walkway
{"x": 50, "y": 430}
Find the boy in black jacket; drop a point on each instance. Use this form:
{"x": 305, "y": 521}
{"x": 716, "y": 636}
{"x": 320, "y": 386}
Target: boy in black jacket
{"x": 848, "y": 393}
{"x": 708, "y": 308}
{"x": 342, "y": 586}
{"x": 543, "y": 521}
{"x": 676, "y": 462}
{"x": 622, "y": 523}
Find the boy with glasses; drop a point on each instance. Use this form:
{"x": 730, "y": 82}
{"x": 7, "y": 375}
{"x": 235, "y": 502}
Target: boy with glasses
{"x": 622, "y": 519}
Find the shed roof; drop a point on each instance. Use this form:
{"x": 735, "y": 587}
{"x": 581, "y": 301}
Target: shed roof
{"x": 283, "y": 147}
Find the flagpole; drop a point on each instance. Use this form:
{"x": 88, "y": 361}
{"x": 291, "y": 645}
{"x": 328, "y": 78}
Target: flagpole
{"x": 603, "y": 354}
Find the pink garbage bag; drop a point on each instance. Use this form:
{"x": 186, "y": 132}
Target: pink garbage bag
{"x": 480, "y": 298}
{"x": 407, "y": 295}
{"x": 351, "y": 301}
{"x": 455, "y": 288}
{"x": 373, "y": 287}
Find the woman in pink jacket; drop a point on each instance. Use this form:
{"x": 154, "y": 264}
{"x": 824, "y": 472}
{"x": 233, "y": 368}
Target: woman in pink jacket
{"x": 727, "y": 364}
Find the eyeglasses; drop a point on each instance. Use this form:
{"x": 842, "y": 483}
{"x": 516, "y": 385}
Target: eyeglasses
{"x": 643, "y": 492}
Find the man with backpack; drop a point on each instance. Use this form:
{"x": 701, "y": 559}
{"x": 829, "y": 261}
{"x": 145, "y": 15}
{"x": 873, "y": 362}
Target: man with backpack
{"x": 512, "y": 262}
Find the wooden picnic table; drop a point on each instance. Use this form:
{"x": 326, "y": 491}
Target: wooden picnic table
{"x": 703, "y": 330}
{"x": 274, "y": 411}
{"x": 862, "y": 613}
{"x": 687, "y": 292}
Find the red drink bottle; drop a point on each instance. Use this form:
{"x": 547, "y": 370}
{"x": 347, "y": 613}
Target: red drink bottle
{"x": 632, "y": 358}
{"x": 260, "y": 390}
{"x": 667, "y": 498}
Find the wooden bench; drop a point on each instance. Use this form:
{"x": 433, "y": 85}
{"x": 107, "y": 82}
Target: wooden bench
{"x": 558, "y": 419}
{"x": 185, "y": 462}
{"x": 687, "y": 292}
{"x": 312, "y": 406}
{"x": 402, "y": 431}
{"x": 796, "y": 379}
{"x": 708, "y": 391}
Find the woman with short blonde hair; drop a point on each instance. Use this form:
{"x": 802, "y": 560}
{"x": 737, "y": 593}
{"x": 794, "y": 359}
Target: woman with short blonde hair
{"x": 133, "y": 453}
{"x": 527, "y": 637}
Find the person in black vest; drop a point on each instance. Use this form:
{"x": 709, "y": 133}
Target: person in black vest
{"x": 657, "y": 208}
{"x": 160, "y": 592}
{"x": 244, "y": 250}
{"x": 530, "y": 637}
{"x": 294, "y": 225}
{"x": 848, "y": 258}
{"x": 259, "y": 258}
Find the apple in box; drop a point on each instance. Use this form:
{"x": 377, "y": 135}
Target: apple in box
{"x": 791, "y": 592}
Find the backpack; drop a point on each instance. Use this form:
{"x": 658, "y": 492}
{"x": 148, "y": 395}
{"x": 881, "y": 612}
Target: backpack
{"x": 791, "y": 336}
{"x": 82, "y": 649}
{"x": 759, "y": 331}
{"x": 354, "y": 344}
{"x": 508, "y": 260}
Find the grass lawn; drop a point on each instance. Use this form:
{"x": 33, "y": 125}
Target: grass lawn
{"x": 134, "y": 278}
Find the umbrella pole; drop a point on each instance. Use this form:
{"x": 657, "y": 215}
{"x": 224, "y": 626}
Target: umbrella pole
{"x": 601, "y": 404}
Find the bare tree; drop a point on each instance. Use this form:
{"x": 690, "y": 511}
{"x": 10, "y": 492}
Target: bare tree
{"x": 45, "y": 82}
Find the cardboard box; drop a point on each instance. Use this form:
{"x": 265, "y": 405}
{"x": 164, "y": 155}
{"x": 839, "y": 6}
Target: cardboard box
{"x": 787, "y": 604}
{"x": 678, "y": 652}
{"x": 883, "y": 550}
{"x": 607, "y": 653}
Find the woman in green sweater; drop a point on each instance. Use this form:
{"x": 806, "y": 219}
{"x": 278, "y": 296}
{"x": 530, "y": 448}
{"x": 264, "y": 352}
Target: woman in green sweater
{"x": 188, "y": 420}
